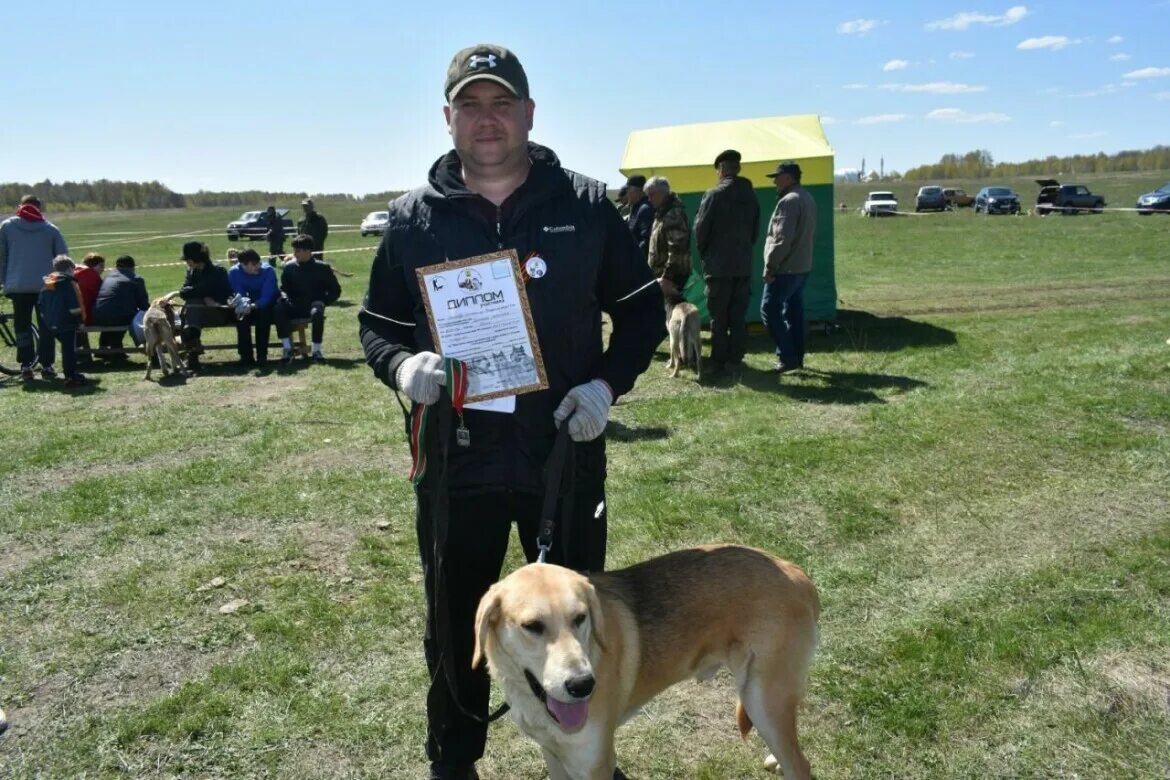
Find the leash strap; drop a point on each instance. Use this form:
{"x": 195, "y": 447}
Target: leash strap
{"x": 554, "y": 471}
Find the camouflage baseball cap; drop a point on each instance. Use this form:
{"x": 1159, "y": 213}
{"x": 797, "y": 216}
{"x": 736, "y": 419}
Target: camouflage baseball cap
{"x": 486, "y": 61}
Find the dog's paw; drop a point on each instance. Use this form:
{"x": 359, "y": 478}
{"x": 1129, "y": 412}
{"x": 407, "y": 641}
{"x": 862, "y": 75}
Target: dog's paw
{"x": 771, "y": 764}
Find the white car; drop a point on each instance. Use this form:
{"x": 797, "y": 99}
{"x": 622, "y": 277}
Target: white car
{"x": 880, "y": 203}
{"x": 375, "y": 223}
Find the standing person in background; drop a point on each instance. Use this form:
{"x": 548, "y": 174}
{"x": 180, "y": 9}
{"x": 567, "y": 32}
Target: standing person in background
{"x": 726, "y": 228}
{"x": 257, "y": 283}
{"x": 315, "y": 226}
{"x": 121, "y": 297}
{"x": 62, "y": 312}
{"x": 206, "y": 290}
{"x": 28, "y": 244}
{"x": 788, "y": 259}
{"x": 307, "y": 285}
{"x": 641, "y": 213}
{"x": 670, "y": 242}
{"x": 497, "y": 190}
{"x": 275, "y": 235}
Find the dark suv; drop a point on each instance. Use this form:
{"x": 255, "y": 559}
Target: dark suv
{"x": 253, "y": 225}
{"x": 1066, "y": 198}
{"x": 997, "y": 200}
{"x": 930, "y": 198}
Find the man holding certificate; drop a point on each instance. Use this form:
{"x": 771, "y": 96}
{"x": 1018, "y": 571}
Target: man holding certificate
{"x": 504, "y": 261}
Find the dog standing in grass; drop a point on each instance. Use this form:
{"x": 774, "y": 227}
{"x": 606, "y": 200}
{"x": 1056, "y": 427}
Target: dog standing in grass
{"x": 577, "y": 656}
{"x": 686, "y": 347}
{"x": 158, "y": 328}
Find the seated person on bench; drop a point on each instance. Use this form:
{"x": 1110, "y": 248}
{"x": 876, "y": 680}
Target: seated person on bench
{"x": 256, "y": 282}
{"x": 206, "y": 291}
{"x": 308, "y": 286}
{"x": 121, "y": 297}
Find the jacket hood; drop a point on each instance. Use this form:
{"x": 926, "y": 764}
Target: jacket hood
{"x": 445, "y": 178}
{"x": 28, "y": 226}
{"x": 56, "y": 278}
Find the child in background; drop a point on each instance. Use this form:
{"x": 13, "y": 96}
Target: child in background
{"x": 233, "y": 256}
{"x": 62, "y": 311}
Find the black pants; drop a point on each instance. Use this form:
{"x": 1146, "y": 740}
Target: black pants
{"x": 275, "y": 248}
{"x": 68, "y": 339}
{"x": 477, "y": 540}
{"x": 286, "y": 311}
{"x": 196, "y": 318}
{"x": 261, "y": 320}
{"x": 727, "y": 304}
{"x": 23, "y": 306}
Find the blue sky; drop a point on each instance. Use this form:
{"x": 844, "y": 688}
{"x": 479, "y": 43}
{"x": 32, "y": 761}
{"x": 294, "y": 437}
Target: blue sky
{"x": 347, "y": 96}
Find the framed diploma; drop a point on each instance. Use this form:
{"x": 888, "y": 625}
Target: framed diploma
{"x": 477, "y": 309}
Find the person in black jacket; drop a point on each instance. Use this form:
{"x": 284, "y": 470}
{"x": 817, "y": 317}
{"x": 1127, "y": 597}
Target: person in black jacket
{"x": 121, "y": 297}
{"x": 307, "y": 286}
{"x": 314, "y": 225}
{"x": 494, "y": 191}
{"x": 641, "y": 212}
{"x": 726, "y": 228}
{"x": 275, "y": 234}
{"x": 206, "y": 290}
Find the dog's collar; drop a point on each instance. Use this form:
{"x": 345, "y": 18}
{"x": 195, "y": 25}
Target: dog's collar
{"x": 537, "y": 689}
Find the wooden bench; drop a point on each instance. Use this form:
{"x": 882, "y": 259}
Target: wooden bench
{"x": 298, "y": 326}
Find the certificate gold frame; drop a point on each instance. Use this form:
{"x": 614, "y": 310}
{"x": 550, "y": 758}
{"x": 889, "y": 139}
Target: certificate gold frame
{"x": 516, "y": 279}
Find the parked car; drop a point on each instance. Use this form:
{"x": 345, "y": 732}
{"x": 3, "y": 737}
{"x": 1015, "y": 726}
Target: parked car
{"x": 375, "y": 223}
{"x": 254, "y": 224}
{"x": 997, "y": 200}
{"x": 1158, "y": 200}
{"x": 880, "y": 204}
{"x": 956, "y": 198}
{"x": 1066, "y": 198}
{"x": 930, "y": 198}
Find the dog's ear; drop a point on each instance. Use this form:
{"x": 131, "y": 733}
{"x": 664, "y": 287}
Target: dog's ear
{"x": 595, "y": 617}
{"x": 486, "y": 619}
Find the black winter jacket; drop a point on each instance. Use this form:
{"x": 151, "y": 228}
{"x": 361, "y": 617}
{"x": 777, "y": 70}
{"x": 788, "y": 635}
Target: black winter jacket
{"x": 210, "y": 281}
{"x": 311, "y": 281}
{"x": 593, "y": 266}
{"x": 726, "y": 228}
{"x": 122, "y": 295}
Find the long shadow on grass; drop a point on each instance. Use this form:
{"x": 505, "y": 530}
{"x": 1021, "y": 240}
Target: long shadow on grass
{"x": 615, "y": 431}
{"x": 830, "y": 387}
{"x": 860, "y": 331}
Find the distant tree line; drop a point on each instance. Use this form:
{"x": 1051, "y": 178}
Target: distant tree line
{"x": 107, "y": 195}
{"x": 979, "y": 165}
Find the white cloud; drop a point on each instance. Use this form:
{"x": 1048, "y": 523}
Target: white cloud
{"x": 961, "y": 55}
{"x": 935, "y": 87}
{"x": 1147, "y": 73}
{"x": 960, "y": 116}
{"x": 1056, "y": 123}
{"x": 1084, "y": 136}
{"x": 829, "y": 120}
{"x": 854, "y": 86}
{"x": 1054, "y": 42}
{"x": 857, "y": 26}
{"x": 1162, "y": 96}
{"x": 963, "y": 21}
{"x": 1119, "y": 57}
{"x": 1108, "y": 89}
{"x": 1115, "y": 39}
{"x": 880, "y": 119}
{"x": 896, "y": 65}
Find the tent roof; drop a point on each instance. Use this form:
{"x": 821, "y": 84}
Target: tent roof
{"x": 686, "y": 153}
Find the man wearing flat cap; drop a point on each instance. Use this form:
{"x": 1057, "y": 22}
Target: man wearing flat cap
{"x": 641, "y": 218}
{"x": 496, "y": 190}
{"x": 788, "y": 258}
{"x": 726, "y": 228}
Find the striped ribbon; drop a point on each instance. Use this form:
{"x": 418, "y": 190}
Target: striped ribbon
{"x": 457, "y": 383}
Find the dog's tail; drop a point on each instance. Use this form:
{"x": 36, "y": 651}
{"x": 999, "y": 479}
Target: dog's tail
{"x": 742, "y": 720}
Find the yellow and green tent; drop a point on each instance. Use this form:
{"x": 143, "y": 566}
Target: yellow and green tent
{"x": 685, "y": 154}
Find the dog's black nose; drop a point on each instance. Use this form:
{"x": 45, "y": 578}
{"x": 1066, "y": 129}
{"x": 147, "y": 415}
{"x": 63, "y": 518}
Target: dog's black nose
{"x": 580, "y": 687}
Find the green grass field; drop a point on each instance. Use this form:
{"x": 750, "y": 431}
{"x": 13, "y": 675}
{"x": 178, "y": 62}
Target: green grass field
{"x": 974, "y": 471}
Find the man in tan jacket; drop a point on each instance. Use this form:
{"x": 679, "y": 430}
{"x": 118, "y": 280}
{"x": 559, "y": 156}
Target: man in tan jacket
{"x": 788, "y": 257}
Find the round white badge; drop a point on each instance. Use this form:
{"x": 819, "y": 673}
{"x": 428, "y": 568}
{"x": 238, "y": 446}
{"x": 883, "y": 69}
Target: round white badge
{"x": 536, "y": 267}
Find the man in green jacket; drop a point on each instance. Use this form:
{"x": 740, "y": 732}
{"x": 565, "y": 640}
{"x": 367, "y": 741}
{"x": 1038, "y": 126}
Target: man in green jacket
{"x": 670, "y": 241}
{"x": 314, "y": 225}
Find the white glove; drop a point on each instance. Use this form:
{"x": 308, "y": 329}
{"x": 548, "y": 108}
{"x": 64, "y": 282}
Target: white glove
{"x": 420, "y": 376}
{"x": 589, "y": 406}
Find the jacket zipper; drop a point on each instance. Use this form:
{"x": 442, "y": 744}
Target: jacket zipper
{"x": 499, "y": 232}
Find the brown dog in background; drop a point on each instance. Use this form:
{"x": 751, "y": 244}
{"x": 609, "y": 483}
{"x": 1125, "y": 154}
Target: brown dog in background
{"x": 158, "y": 327}
{"x": 578, "y": 656}
{"x": 686, "y": 344}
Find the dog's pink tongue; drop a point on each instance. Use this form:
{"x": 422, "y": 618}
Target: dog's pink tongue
{"x": 571, "y": 716}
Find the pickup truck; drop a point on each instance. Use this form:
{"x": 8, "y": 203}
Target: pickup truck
{"x": 253, "y": 225}
{"x": 1066, "y": 198}
{"x": 957, "y": 198}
